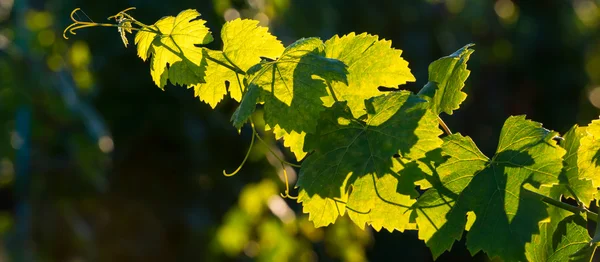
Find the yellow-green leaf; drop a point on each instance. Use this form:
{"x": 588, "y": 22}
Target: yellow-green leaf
{"x": 292, "y": 89}
{"x": 353, "y": 168}
{"x": 588, "y": 155}
{"x": 371, "y": 63}
{"x": 171, "y": 42}
{"x": 244, "y": 43}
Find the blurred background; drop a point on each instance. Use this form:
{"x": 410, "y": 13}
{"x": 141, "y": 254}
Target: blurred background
{"x": 98, "y": 164}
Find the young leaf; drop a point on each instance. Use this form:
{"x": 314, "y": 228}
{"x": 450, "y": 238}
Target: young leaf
{"x": 353, "y": 165}
{"x": 171, "y": 41}
{"x": 371, "y": 63}
{"x": 572, "y": 178}
{"x": 292, "y": 88}
{"x": 447, "y": 77}
{"x": 505, "y": 216}
{"x": 588, "y": 155}
{"x": 244, "y": 43}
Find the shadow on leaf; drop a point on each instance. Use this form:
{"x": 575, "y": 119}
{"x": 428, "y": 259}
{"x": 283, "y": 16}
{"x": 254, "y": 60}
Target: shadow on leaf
{"x": 360, "y": 154}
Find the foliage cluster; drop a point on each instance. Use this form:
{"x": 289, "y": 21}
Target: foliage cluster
{"x": 376, "y": 153}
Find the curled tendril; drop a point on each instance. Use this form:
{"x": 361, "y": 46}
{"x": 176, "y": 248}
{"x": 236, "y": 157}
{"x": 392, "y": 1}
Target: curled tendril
{"x": 286, "y": 194}
{"x": 245, "y": 158}
{"x": 122, "y": 15}
{"x": 287, "y": 185}
{"x": 123, "y": 20}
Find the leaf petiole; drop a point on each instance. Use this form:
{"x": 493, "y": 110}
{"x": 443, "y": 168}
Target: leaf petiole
{"x": 444, "y": 126}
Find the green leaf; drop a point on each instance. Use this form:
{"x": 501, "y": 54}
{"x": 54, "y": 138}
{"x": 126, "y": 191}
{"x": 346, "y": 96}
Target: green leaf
{"x": 353, "y": 167}
{"x": 572, "y": 177}
{"x": 447, "y": 77}
{"x": 588, "y": 155}
{"x": 244, "y": 43}
{"x": 371, "y": 63}
{"x": 291, "y": 89}
{"x": 432, "y": 210}
{"x": 171, "y": 41}
{"x": 246, "y": 107}
{"x": 560, "y": 237}
{"x": 505, "y": 216}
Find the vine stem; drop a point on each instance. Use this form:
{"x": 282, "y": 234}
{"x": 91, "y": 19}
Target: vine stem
{"x": 444, "y": 126}
{"x": 576, "y": 210}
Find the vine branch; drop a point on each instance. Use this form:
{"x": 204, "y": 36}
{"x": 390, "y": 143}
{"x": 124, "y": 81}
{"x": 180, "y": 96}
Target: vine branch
{"x": 574, "y": 209}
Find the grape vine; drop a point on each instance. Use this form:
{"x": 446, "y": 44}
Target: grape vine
{"x": 385, "y": 158}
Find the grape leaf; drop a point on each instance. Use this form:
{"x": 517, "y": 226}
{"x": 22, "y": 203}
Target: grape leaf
{"x": 246, "y": 107}
{"x": 447, "y": 77}
{"x": 506, "y": 216}
{"x": 171, "y": 41}
{"x": 244, "y": 43}
{"x": 563, "y": 235}
{"x": 291, "y": 89}
{"x": 431, "y": 208}
{"x": 588, "y": 155}
{"x": 353, "y": 165}
{"x": 570, "y": 177}
{"x": 371, "y": 63}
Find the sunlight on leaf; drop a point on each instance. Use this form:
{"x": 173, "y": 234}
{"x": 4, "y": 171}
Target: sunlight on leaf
{"x": 171, "y": 42}
{"x": 447, "y": 77}
{"x": 371, "y": 63}
{"x": 572, "y": 178}
{"x": 353, "y": 168}
{"x": 493, "y": 190}
{"x": 588, "y": 155}
{"x": 291, "y": 89}
{"x": 560, "y": 237}
{"x": 244, "y": 43}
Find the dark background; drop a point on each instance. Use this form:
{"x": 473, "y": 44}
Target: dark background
{"x": 98, "y": 164}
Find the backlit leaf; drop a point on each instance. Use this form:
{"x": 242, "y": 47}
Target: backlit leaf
{"x": 561, "y": 236}
{"x": 572, "y": 178}
{"x": 588, "y": 155}
{"x": 292, "y": 89}
{"x": 244, "y": 43}
{"x": 371, "y": 63}
{"x": 171, "y": 42}
{"x": 447, "y": 77}
{"x": 506, "y": 216}
{"x": 353, "y": 168}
